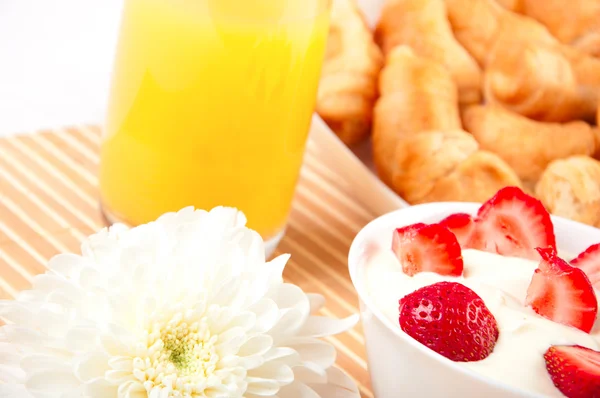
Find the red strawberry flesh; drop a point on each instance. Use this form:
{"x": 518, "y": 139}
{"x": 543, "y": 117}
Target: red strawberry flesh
{"x": 513, "y": 223}
{"x": 450, "y": 319}
{"x": 589, "y": 262}
{"x": 427, "y": 248}
{"x": 462, "y": 225}
{"x": 562, "y": 293}
{"x": 574, "y": 370}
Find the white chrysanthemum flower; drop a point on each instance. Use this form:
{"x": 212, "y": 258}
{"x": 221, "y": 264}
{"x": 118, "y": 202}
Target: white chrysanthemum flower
{"x": 182, "y": 307}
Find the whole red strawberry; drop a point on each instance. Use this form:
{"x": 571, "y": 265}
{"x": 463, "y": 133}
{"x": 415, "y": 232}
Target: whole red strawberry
{"x": 451, "y": 319}
{"x": 574, "y": 370}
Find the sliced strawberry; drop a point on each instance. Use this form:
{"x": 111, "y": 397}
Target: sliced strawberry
{"x": 562, "y": 293}
{"x": 461, "y": 225}
{"x": 450, "y": 319}
{"x": 589, "y": 262}
{"x": 513, "y": 223}
{"x": 574, "y": 370}
{"x": 427, "y": 248}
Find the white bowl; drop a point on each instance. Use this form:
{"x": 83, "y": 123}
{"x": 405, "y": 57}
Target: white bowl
{"x": 399, "y": 365}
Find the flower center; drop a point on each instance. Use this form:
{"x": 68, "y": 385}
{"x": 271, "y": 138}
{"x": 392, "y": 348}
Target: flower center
{"x": 181, "y": 356}
{"x": 186, "y": 347}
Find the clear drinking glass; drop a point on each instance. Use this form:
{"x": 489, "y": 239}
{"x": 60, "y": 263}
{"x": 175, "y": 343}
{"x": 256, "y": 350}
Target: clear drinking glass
{"x": 211, "y": 103}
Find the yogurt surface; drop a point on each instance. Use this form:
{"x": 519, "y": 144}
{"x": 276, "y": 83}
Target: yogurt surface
{"x": 502, "y": 283}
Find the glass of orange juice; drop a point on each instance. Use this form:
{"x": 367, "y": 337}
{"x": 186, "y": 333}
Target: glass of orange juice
{"x": 211, "y": 103}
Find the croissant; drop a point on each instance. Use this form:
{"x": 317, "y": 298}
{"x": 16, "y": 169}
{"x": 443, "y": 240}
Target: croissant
{"x": 535, "y": 80}
{"x": 448, "y": 166}
{"x": 511, "y": 5}
{"x": 478, "y": 23}
{"x": 419, "y": 147}
{"x": 570, "y": 188}
{"x": 424, "y": 26}
{"x": 576, "y": 23}
{"x": 526, "y": 145}
{"x": 562, "y": 83}
{"x": 417, "y": 95}
{"x": 348, "y": 85}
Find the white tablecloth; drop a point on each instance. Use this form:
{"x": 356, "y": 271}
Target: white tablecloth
{"x": 55, "y": 61}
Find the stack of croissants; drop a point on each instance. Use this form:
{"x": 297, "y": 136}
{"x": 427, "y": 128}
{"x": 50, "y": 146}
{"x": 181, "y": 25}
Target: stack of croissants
{"x": 464, "y": 97}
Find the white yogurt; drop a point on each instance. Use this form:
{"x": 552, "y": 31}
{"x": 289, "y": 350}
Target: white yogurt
{"x": 502, "y": 284}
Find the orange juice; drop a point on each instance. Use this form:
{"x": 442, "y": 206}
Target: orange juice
{"x": 210, "y": 105}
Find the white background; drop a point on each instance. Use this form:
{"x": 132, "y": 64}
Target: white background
{"x": 55, "y": 61}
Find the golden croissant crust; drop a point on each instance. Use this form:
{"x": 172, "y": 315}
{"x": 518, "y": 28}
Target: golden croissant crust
{"x": 423, "y": 25}
{"x": 417, "y": 95}
{"x": 419, "y": 147}
{"x": 535, "y": 80}
{"x": 348, "y": 85}
{"x": 570, "y": 188}
{"x": 448, "y": 166}
{"x": 500, "y": 39}
{"x": 573, "y": 22}
{"x": 526, "y": 145}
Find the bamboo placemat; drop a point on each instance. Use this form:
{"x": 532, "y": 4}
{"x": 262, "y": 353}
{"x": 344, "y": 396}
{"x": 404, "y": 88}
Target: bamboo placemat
{"x": 49, "y": 203}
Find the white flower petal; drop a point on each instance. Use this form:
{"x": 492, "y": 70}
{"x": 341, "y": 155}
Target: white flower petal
{"x": 112, "y": 346}
{"x": 227, "y": 217}
{"x": 262, "y": 387}
{"x": 245, "y": 320}
{"x": 276, "y": 267}
{"x": 91, "y": 366}
{"x": 226, "y": 294}
{"x": 90, "y": 278}
{"x": 288, "y": 325}
{"x": 273, "y": 370}
{"x": 63, "y": 300}
{"x": 15, "y": 312}
{"x": 53, "y": 321}
{"x": 11, "y": 374}
{"x": 51, "y": 383}
{"x": 219, "y": 318}
{"x": 267, "y": 313}
{"x": 253, "y": 246}
{"x": 100, "y": 388}
{"x": 131, "y": 389}
{"x": 159, "y": 392}
{"x": 250, "y": 362}
{"x": 315, "y": 351}
{"x": 317, "y": 301}
{"x": 318, "y": 326}
{"x": 14, "y": 391}
{"x": 256, "y": 345}
{"x": 285, "y": 354}
{"x": 300, "y": 390}
{"x": 10, "y": 369}
{"x": 121, "y": 363}
{"x": 230, "y": 341}
{"x": 48, "y": 282}
{"x": 19, "y": 335}
{"x": 290, "y": 296}
{"x": 308, "y": 375}
{"x": 338, "y": 384}
{"x": 39, "y": 363}
{"x": 68, "y": 265}
{"x": 81, "y": 338}
{"x": 10, "y": 355}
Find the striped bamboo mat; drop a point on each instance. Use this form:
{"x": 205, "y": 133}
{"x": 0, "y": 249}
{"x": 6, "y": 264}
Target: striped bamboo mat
{"x": 49, "y": 203}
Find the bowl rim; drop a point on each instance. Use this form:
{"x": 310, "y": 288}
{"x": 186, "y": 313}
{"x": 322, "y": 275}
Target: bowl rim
{"x": 419, "y": 213}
